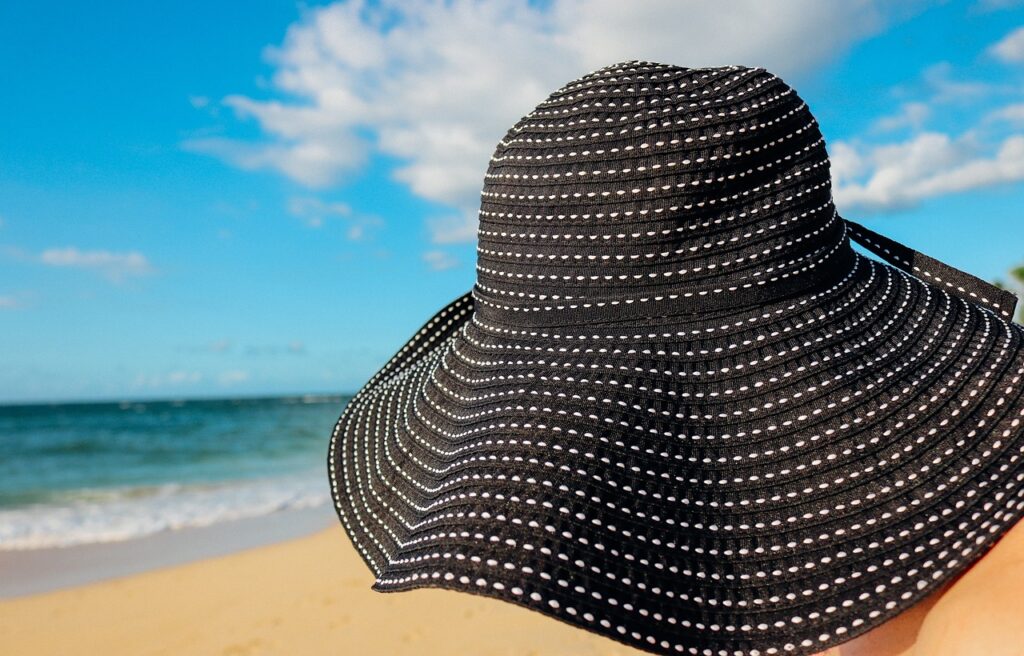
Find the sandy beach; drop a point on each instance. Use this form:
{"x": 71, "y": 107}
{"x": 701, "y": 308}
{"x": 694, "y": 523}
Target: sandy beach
{"x": 309, "y": 595}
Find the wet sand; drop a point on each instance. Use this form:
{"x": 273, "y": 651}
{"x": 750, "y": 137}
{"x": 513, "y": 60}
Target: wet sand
{"x": 309, "y": 595}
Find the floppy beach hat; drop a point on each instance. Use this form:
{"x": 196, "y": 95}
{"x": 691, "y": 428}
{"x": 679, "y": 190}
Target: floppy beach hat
{"x": 679, "y": 407}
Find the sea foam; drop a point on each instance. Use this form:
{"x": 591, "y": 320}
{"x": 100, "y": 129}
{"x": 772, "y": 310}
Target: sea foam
{"x": 112, "y": 515}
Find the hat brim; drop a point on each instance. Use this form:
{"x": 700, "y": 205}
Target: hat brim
{"x": 771, "y": 482}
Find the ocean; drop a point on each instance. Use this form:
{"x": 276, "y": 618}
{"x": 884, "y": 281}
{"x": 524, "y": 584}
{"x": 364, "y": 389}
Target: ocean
{"x": 80, "y": 473}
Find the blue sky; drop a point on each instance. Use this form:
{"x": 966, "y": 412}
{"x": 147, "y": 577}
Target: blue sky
{"x": 207, "y": 201}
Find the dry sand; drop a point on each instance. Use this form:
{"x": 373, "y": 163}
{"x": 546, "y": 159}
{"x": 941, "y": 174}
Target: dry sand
{"x": 305, "y": 596}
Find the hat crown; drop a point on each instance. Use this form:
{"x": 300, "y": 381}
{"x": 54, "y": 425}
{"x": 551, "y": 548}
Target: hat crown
{"x": 641, "y": 180}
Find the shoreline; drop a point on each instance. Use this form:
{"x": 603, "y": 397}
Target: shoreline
{"x": 305, "y": 595}
{"x": 36, "y": 571}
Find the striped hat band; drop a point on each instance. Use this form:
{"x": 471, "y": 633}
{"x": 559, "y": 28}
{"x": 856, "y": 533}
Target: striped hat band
{"x": 687, "y": 405}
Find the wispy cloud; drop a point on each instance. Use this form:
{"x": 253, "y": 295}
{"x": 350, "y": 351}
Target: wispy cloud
{"x": 233, "y": 377}
{"x": 18, "y": 300}
{"x": 937, "y": 85}
{"x": 1011, "y": 47}
{"x": 227, "y": 346}
{"x": 294, "y": 347}
{"x": 943, "y": 86}
{"x": 184, "y": 377}
{"x": 173, "y": 378}
{"x": 439, "y": 260}
{"x": 434, "y": 85}
{"x": 315, "y": 212}
{"x": 312, "y": 164}
{"x": 112, "y": 265}
{"x": 1013, "y": 113}
{"x": 910, "y": 115}
{"x": 926, "y": 163}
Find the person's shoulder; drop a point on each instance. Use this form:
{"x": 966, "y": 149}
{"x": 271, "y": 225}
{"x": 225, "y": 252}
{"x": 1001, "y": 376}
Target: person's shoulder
{"x": 983, "y": 611}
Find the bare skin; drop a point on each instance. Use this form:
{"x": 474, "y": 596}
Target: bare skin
{"x": 979, "y": 613}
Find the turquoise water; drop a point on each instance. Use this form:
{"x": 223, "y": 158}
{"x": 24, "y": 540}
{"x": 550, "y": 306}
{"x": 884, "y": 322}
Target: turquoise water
{"x": 88, "y": 472}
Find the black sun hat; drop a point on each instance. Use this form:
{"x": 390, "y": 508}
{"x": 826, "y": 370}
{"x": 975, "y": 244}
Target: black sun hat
{"x": 678, "y": 408}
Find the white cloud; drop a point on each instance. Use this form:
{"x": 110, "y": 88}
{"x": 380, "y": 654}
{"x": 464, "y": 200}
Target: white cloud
{"x": 911, "y": 115}
{"x": 171, "y": 378}
{"x": 889, "y": 176}
{"x": 439, "y": 260}
{"x": 233, "y": 377}
{"x": 115, "y": 266}
{"x": 893, "y": 176}
{"x": 937, "y": 85}
{"x": 1011, "y": 47}
{"x": 1013, "y": 113}
{"x": 315, "y": 213}
{"x": 184, "y": 377}
{"x": 9, "y": 303}
{"x": 436, "y": 84}
{"x": 787, "y": 38}
{"x": 943, "y": 87}
{"x": 312, "y": 164}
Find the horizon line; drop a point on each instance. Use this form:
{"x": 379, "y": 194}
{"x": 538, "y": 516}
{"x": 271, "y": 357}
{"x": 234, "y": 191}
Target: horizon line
{"x": 173, "y": 399}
